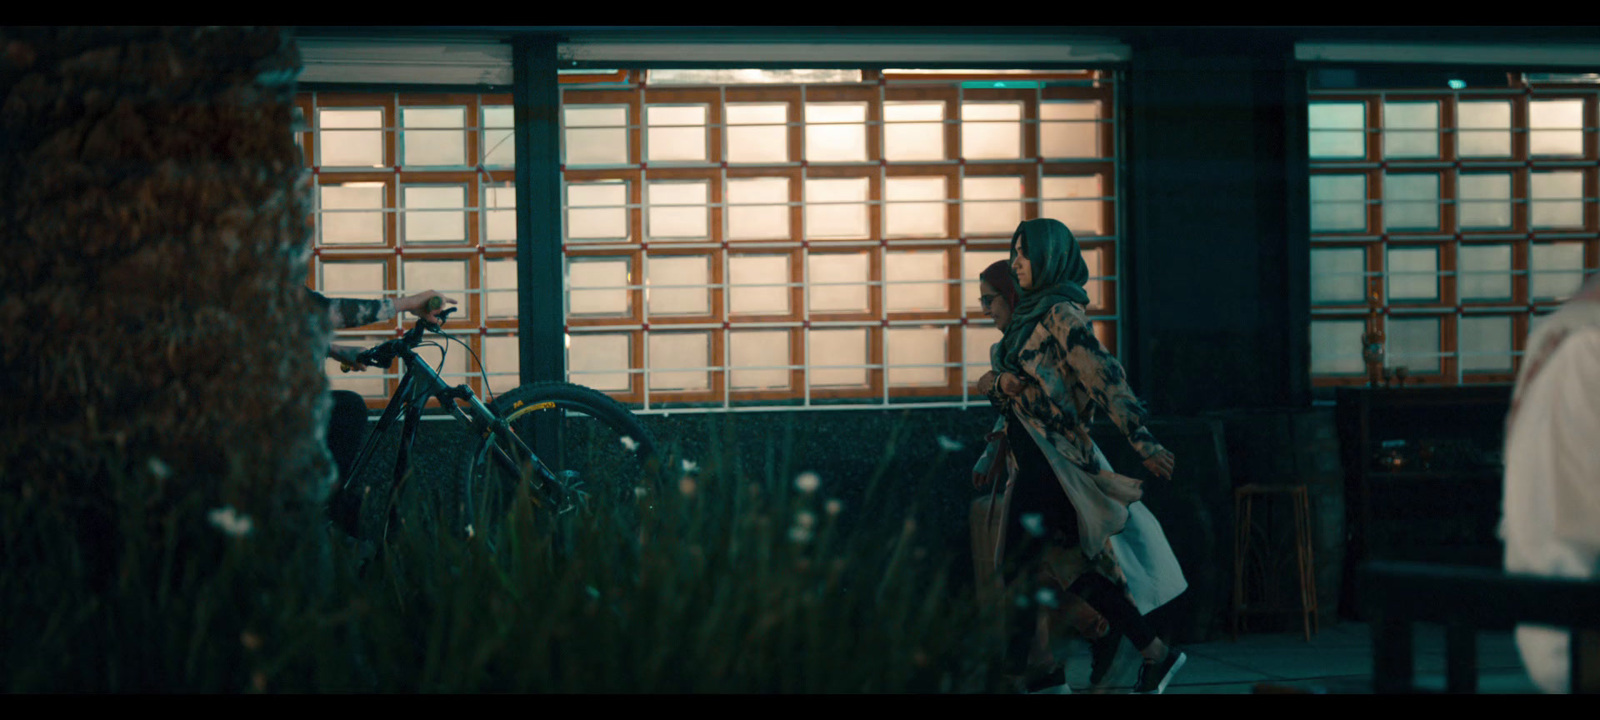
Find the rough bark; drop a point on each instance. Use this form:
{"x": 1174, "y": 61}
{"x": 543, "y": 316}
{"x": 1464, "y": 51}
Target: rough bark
{"x": 158, "y": 347}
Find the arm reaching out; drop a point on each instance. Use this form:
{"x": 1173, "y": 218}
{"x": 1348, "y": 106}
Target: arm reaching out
{"x": 345, "y": 313}
{"x": 1103, "y": 379}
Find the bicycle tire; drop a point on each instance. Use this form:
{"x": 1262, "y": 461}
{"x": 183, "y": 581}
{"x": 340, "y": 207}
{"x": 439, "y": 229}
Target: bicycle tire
{"x": 487, "y": 494}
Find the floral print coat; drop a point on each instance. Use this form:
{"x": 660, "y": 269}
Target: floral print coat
{"x": 350, "y": 313}
{"x": 1068, "y": 375}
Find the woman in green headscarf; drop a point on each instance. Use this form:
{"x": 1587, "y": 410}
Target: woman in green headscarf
{"x": 1065, "y": 509}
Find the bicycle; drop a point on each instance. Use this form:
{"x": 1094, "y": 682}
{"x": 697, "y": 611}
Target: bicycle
{"x": 505, "y": 463}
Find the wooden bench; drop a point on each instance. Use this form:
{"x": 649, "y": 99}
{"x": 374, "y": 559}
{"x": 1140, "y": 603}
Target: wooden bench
{"x": 1466, "y": 600}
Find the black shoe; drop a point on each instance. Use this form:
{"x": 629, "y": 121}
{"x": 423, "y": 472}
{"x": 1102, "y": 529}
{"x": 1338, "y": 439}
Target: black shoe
{"x": 1048, "y": 681}
{"x": 1103, "y": 650}
{"x": 1153, "y": 677}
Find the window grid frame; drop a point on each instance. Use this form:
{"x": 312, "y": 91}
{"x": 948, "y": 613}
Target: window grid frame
{"x": 875, "y": 91}
{"x": 475, "y": 252}
{"x": 1451, "y": 237}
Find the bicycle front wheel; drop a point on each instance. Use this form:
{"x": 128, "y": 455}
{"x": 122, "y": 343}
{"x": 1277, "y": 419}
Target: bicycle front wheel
{"x": 599, "y": 454}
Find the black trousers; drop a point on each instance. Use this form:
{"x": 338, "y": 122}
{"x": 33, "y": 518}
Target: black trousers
{"x": 1037, "y": 492}
{"x": 347, "y": 426}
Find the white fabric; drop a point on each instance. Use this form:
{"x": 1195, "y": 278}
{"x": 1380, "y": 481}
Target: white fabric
{"x": 1551, "y": 521}
{"x": 1154, "y": 577}
{"x": 1141, "y": 548}
{"x": 1145, "y": 556}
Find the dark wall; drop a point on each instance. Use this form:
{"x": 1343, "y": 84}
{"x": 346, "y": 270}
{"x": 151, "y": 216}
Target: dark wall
{"x": 1216, "y": 267}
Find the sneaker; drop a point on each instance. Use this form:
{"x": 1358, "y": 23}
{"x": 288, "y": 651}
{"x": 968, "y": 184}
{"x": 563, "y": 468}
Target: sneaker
{"x": 1153, "y": 677}
{"x": 1050, "y": 683}
{"x": 1103, "y": 650}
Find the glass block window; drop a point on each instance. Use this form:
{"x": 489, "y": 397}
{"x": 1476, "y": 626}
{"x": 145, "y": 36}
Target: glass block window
{"x": 1335, "y": 347}
{"x": 1411, "y": 129}
{"x": 433, "y": 136}
{"x": 1341, "y": 277}
{"x": 1483, "y": 128}
{"x": 1448, "y": 220}
{"x": 415, "y": 191}
{"x": 676, "y": 133}
{"x": 1339, "y": 202}
{"x": 991, "y": 130}
{"x": 1071, "y": 129}
{"x": 774, "y": 238}
{"x": 913, "y": 131}
{"x": 499, "y": 145}
{"x": 1338, "y": 129}
{"x": 757, "y": 133}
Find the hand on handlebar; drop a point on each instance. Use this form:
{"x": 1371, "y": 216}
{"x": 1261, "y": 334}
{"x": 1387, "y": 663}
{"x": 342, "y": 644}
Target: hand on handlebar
{"x": 349, "y": 357}
{"x": 431, "y": 313}
{"x": 428, "y": 305}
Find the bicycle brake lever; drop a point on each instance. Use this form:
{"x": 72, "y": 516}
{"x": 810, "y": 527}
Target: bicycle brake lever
{"x": 369, "y": 358}
{"x": 439, "y": 326}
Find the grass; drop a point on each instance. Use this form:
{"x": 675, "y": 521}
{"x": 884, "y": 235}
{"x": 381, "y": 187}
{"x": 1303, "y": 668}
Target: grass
{"x": 720, "y": 583}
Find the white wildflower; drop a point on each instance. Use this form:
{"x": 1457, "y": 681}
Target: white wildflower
{"x": 1034, "y": 524}
{"x": 834, "y": 507}
{"x": 229, "y": 521}
{"x": 948, "y": 445}
{"x": 159, "y": 469}
{"x": 807, "y": 481}
{"x": 469, "y": 532}
{"x": 640, "y": 491}
{"x": 1045, "y": 597}
{"x": 799, "y": 534}
{"x": 690, "y": 466}
{"x": 629, "y": 443}
{"x": 804, "y": 519}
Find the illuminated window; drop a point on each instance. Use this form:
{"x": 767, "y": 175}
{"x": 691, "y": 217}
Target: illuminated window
{"x": 1449, "y": 219}
{"x": 411, "y": 192}
{"x": 792, "y": 238}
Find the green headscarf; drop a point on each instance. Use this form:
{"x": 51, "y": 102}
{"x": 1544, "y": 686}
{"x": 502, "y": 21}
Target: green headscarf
{"x": 1058, "y": 274}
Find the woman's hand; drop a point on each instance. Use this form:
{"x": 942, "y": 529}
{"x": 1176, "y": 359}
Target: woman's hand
{"x": 1009, "y": 384}
{"x": 1160, "y": 464}
{"x": 346, "y": 355}
{"x": 418, "y": 305}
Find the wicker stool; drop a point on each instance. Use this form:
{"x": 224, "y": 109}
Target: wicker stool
{"x": 1300, "y": 498}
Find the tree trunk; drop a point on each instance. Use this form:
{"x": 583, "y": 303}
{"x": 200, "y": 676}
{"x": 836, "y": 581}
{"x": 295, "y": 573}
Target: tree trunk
{"x": 160, "y": 350}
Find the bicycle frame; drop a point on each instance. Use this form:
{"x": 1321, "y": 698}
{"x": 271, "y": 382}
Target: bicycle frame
{"x": 417, "y": 385}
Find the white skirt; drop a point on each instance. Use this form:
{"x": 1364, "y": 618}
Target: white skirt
{"x": 1145, "y": 556}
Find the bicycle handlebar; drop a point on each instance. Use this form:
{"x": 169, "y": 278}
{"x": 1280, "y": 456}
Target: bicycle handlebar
{"x": 383, "y": 355}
